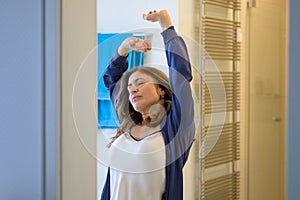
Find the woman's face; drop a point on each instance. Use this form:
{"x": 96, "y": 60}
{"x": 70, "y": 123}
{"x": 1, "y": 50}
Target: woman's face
{"x": 143, "y": 92}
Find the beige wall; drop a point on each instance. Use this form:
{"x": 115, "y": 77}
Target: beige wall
{"x": 191, "y": 170}
{"x": 79, "y": 78}
{"x": 244, "y": 108}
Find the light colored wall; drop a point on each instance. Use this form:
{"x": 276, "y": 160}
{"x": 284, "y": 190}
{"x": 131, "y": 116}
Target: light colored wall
{"x": 117, "y": 16}
{"x": 186, "y": 18}
{"x": 79, "y": 83}
{"x": 186, "y": 29}
{"x": 244, "y": 101}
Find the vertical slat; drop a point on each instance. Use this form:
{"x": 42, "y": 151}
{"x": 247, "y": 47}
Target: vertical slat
{"x": 220, "y": 150}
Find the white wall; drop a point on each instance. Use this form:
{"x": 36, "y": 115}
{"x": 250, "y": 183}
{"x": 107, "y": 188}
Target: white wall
{"x": 117, "y": 16}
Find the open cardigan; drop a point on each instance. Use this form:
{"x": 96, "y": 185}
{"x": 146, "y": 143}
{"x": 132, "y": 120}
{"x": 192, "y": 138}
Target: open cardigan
{"x": 178, "y": 130}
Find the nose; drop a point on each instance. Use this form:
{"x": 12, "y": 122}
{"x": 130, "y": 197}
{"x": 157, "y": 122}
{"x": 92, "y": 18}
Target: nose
{"x": 133, "y": 89}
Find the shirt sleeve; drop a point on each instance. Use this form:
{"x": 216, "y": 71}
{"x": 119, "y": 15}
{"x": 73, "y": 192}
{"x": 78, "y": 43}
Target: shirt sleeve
{"x": 179, "y": 127}
{"x": 117, "y": 66}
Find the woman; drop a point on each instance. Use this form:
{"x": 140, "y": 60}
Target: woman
{"x": 156, "y": 120}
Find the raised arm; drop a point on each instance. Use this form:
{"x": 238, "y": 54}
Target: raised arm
{"x": 180, "y": 122}
{"x": 177, "y": 54}
{"x": 119, "y": 64}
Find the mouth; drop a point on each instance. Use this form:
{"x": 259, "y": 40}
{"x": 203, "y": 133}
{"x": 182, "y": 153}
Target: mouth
{"x": 135, "y": 98}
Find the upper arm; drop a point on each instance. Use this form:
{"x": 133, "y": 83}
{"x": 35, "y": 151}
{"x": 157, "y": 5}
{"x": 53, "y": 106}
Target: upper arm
{"x": 180, "y": 75}
{"x": 117, "y": 66}
{"x": 179, "y": 126}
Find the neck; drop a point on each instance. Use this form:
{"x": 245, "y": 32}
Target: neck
{"x": 146, "y": 118}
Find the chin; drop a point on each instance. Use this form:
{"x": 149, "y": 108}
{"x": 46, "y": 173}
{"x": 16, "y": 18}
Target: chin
{"x": 138, "y": 108}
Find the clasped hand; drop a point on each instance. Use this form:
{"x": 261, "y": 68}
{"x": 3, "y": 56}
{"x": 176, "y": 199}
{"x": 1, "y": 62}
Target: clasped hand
{"x": 141, "y": 45}
{"x": 136, "y": 44}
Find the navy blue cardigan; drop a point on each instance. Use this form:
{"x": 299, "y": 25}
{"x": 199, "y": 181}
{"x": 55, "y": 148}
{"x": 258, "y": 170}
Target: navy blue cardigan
{"x": 178, "y": 131}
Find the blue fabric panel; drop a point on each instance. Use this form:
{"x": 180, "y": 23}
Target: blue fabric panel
{"x": 106, "y": 115}
{"x": 107, "y": 46}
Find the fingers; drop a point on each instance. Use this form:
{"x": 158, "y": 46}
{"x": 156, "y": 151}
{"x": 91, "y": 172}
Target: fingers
{"x": 139, "y": 45}
{"x": 132, "y": 41}
{"x": 161, "y": 16}
{"x": 135, "y": 44}
{"x": 145, "y": 45}
{"x": 152, "y": 16}
{"x": 148, "y": 44}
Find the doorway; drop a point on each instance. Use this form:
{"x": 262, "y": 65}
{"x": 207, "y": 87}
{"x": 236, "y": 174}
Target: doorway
{"x": 267, "y": 65}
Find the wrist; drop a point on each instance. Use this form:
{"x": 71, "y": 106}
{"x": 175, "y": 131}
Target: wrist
{"x": 123, "y": 50}
{"x": 165, "y": 27}
{"x": 165, "y": 20}
{"x": 165, "y": 24}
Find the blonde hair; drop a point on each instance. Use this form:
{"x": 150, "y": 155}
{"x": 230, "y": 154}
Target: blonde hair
{"x": 129, "y": 117}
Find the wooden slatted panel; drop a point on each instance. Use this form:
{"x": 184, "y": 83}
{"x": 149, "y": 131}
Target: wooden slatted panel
{"x": 227, "y": 149}
{"x": 219, "y": 38}
{"x": 211, "y": 89}
{"x": 229, "y": 4}
{"x": 220, "y": 93}
{"x": 222, "y": 188}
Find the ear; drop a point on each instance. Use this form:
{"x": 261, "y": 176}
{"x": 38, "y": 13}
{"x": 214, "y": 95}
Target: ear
{"x": 161, "y": 91}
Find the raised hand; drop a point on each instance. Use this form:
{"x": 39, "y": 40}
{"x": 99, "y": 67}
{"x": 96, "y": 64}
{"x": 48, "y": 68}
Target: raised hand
{"x": 162, "y": 17}
{"x": 135, "y": 44}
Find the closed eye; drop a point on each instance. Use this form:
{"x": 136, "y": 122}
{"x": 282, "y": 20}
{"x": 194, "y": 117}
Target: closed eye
{"x": 139, "y": 83}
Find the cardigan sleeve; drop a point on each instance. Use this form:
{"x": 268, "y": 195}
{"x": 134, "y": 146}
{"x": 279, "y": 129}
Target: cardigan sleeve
{"x": 117, "y": 66}
{"x": 179, "y": 128}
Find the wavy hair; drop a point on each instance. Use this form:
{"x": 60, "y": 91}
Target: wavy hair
{"x": 128, "y": 117}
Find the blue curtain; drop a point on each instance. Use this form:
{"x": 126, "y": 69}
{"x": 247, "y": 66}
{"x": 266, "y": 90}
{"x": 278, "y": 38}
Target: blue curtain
{"x": 107, "y": 46}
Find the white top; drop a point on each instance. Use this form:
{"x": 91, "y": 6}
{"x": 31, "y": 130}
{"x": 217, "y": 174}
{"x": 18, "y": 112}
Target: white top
{"x": 137, "y": 168}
